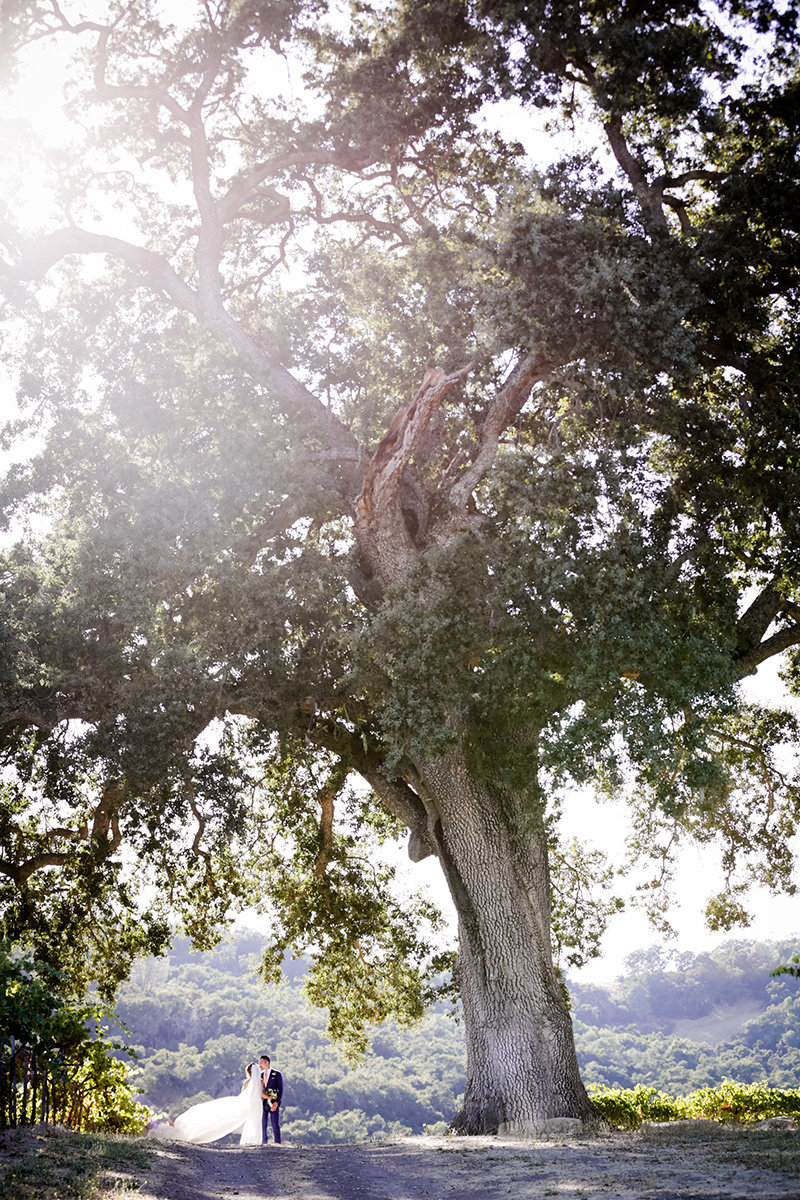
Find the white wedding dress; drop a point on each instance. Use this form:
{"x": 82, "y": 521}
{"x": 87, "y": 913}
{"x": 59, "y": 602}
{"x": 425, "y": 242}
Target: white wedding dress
{"x": 212, "y": 1120}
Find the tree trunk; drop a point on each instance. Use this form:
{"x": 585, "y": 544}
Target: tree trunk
{"x": 522, "y": 1070}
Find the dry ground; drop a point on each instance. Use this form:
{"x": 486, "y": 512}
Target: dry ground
{"x": 682, "y": 1161}
{"x": 657, "y": 1163}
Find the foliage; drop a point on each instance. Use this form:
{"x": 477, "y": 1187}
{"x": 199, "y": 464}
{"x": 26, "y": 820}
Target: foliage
{"x": 743, "y": 1102}
{"x": 67, "y": 1045}
{"x": 735, "y": 1102}
{"x": 104, "y": 1088}
{"x": 628, "y": 1108}
{"x": 791, "y": 968}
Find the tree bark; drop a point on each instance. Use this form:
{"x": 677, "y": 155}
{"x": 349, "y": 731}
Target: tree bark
{"x": 522, "y": 1069}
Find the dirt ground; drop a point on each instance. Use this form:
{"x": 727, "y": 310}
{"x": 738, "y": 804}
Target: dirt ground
{"x": 656, "y": 1163}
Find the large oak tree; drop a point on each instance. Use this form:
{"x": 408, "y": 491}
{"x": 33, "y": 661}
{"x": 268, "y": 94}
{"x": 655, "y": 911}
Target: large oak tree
{"x": 356, "y": 442}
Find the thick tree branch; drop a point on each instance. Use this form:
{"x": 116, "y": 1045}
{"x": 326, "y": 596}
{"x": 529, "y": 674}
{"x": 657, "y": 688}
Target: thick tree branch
{"x": 784, "y": 639}
{"x": 697, "y": 175}
{"x": 36, "y": 713}
{"x": 78, "y": 27}
{"x": 757, "y": 618}
{"x": 382, "y": 485}
{"x": 753, "y": 647}
{"x": 325, "y": 797}
{"x": 380, "y": 526}
{"x": 103, "y": 90}
{"x": 403, "y": 802}
{"x": 678, "y": 207}
{"x": 20, "y": 873}
{"x": 210, "y": 238}
{"x": 105, "y": 832}
{"x": 105, "y": 836}
{"x": 39, "y": 256}
{"x": 247, "y": 185}
{"x": 503, "y": 411}
{"x": 355, "y": 218}
{"x": 676, "y": 203}
{"x": 360, "y": 754}
{"x": 648, "y": 198}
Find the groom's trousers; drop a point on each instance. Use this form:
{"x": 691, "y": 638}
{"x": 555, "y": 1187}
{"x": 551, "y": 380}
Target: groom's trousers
{"x": 268, "y": 1116}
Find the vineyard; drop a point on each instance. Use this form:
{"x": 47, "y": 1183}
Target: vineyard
{"x": 737, "y": 1103}
{"x": 58, "y": 1065}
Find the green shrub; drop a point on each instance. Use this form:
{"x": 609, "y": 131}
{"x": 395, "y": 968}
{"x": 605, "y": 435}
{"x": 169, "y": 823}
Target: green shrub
{"x": 616, "y": 1105}
{"x": 437, "y": 1129}
{"x": 743, "y": 1103}
{"x": 45, "y": 1033}
{"x": 628, "y": 1107}
{"x": 108, "y": 1105}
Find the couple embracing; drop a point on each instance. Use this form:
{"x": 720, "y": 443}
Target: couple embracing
{"x": 249, "y": 1114}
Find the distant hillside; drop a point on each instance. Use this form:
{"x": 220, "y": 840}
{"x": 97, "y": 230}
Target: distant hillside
{"x": 673, "y": 1022}
{"x": 197, "y": 1020}
{"x": 661, "y": 989}
{"x": 723, "y": 1023}
{"x": 684, "y": 1021}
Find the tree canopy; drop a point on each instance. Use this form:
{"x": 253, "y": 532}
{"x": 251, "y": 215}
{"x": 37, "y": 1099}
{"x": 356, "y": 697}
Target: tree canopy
{"x": 363, "y": 434}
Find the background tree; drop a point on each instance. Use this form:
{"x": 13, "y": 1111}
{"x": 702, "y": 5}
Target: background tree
{"x": 369, "y": 448}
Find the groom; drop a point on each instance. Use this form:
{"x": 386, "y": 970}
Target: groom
{"x": 271, "y": 1093}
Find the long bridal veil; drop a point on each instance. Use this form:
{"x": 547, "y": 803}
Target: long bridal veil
{"x": 251, "y": 1133}
{"x": 212, "y": 1120}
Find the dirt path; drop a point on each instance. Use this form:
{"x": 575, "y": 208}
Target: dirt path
{"x": 655, "y": 1164}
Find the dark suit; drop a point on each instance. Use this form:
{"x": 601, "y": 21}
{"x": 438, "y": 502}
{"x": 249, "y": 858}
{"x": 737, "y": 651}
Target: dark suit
{"x": 273, "y": 1082}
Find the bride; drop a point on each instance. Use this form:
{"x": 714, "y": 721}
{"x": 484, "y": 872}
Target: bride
{"x": 212, "y": 1120}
